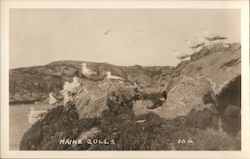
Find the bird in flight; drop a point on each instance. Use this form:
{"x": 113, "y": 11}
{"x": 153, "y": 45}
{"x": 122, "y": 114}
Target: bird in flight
{"x": 107, "y": 31}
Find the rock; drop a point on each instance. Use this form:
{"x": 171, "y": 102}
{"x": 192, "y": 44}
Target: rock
{"x": 51, "y": 77}
{"x": 85, "y": 135}
{"x": 203, "y": 104}
{"x": 18, "y": 97}
{"x": 70, "y": 72}
{"x": 121, "y": 98}
{"x": 202, "y": 119}
{"x": 141, "y": 107}
{"x": 212, "y": 67}
{"x": 235, "y": 46}
{"x": 56, "y": 125}
{"x": 232, "y": 110}
{"x": 184, "y": 97}
{"x": 92, "y": 99}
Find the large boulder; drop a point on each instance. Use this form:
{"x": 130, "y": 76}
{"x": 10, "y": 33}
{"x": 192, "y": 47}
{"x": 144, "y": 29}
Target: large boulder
{"x": 184, "y": 97}
{"x": 220, "y": 66}
{"x": 202, "y": 110}
{"x": 56, "y": 125}
{"x": 93, "y": 98}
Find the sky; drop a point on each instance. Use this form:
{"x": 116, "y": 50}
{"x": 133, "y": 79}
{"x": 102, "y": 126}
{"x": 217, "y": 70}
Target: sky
{"x": 117, "y": 36}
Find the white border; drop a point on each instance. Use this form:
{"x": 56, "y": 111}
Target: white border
{"x": 6, "y": 5}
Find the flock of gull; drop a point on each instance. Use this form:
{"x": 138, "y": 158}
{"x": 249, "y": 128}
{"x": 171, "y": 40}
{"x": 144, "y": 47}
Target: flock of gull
{"x": 70, "y": 88}
{"x": 197, "y": 42}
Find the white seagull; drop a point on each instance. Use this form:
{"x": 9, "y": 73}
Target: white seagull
{"x": 87, "y": 72}
{"x": 75, "y": 84}
{"x": 52, "y": 99}
{"x": 211, "y": 37}
{"x": 66, "y": 98}
{"x": 66, "y": 88}
{"x": 112, "y": 77}
{"x": 181, "y": 56}
{"x": 75, "y": 80}
{"x": 195, "y": 42}
{"x": 66, "y": 85}
{"x": 71, "y": 87}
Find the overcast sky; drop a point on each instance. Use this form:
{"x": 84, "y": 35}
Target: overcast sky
{"x": 120, "y": 37}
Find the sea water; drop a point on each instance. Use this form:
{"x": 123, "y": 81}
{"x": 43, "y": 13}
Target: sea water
{"x": 19, "y": 123}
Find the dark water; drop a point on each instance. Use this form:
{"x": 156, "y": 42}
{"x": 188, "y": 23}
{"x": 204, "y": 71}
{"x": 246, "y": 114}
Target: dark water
{"x": 19, "y": 123}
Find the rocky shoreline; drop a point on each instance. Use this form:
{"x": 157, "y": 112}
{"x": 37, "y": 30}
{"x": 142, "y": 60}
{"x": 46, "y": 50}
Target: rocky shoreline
{"x": 202, "y": 110}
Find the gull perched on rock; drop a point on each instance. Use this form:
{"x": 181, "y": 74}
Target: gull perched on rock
{"x": 211, "y": 37}
{"x": 52, "y": 99}
{"x": 112, "y": 77}
{"x": 66, "y": 98}
{"x": 66, "y": 85}
{"x": 74, "y": 85}
{"x": 181, "y": 56}
{"x": 71, "y": 87}
{"x": 87, "y": 72}
{"x": 195, "y": 43}
{"x": 75, "y": 81}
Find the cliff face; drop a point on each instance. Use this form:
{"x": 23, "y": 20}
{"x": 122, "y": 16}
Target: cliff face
{"x": 202, "y": 107}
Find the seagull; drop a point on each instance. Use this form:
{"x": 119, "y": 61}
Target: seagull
{"x": 66, "y": 88}
{"x": 107, "y": 32}
{"x": 197, "y": 46}
{"x": 66, "y": 98}
{"x": 211, "y": 37}
{"x": 195, "y": 42}
{"x": 140, "y": 121}
{"x": 71, "y": 87}
{"x": 75, "y": 84}
{"x": 180, "y": 56}
{"x": 87, "y": 72}
{"x": 52, "y": 99}
{"x": 75, "y": 80}
{"x": 112, "y": 77}
{"x": 66, "y": 85}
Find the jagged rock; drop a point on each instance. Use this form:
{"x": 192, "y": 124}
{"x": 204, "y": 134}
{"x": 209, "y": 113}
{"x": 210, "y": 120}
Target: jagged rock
{"x": 51, "y": 77}
{"x": 56, "y": 125}
{"x": 69, "y": 72}
{"x": 213, "y": 66}
{"x": 203, "y": 104}
{"x": 184, "y": 97}
{"x": 92, "y": 99}
{"x": 235, "y": 46}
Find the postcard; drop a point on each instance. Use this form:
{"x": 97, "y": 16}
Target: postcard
{"x": 124, "y": 79}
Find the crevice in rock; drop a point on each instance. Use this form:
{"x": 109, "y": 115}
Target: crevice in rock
{"x": 228, "y": 104}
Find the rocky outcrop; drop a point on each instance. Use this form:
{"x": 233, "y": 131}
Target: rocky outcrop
{"x": 211, "y": 82}
{"x": 57, "y": 125}
{"x": 93, "y": 98}
{"x": 61, "y": 129}
{"x": 184, "y": 97}
{"x": 202, "y": 110}
{"x": 31, "y": 84}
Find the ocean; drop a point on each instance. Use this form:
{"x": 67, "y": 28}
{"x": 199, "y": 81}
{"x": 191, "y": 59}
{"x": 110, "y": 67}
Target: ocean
{"x": 19, "y": 122}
